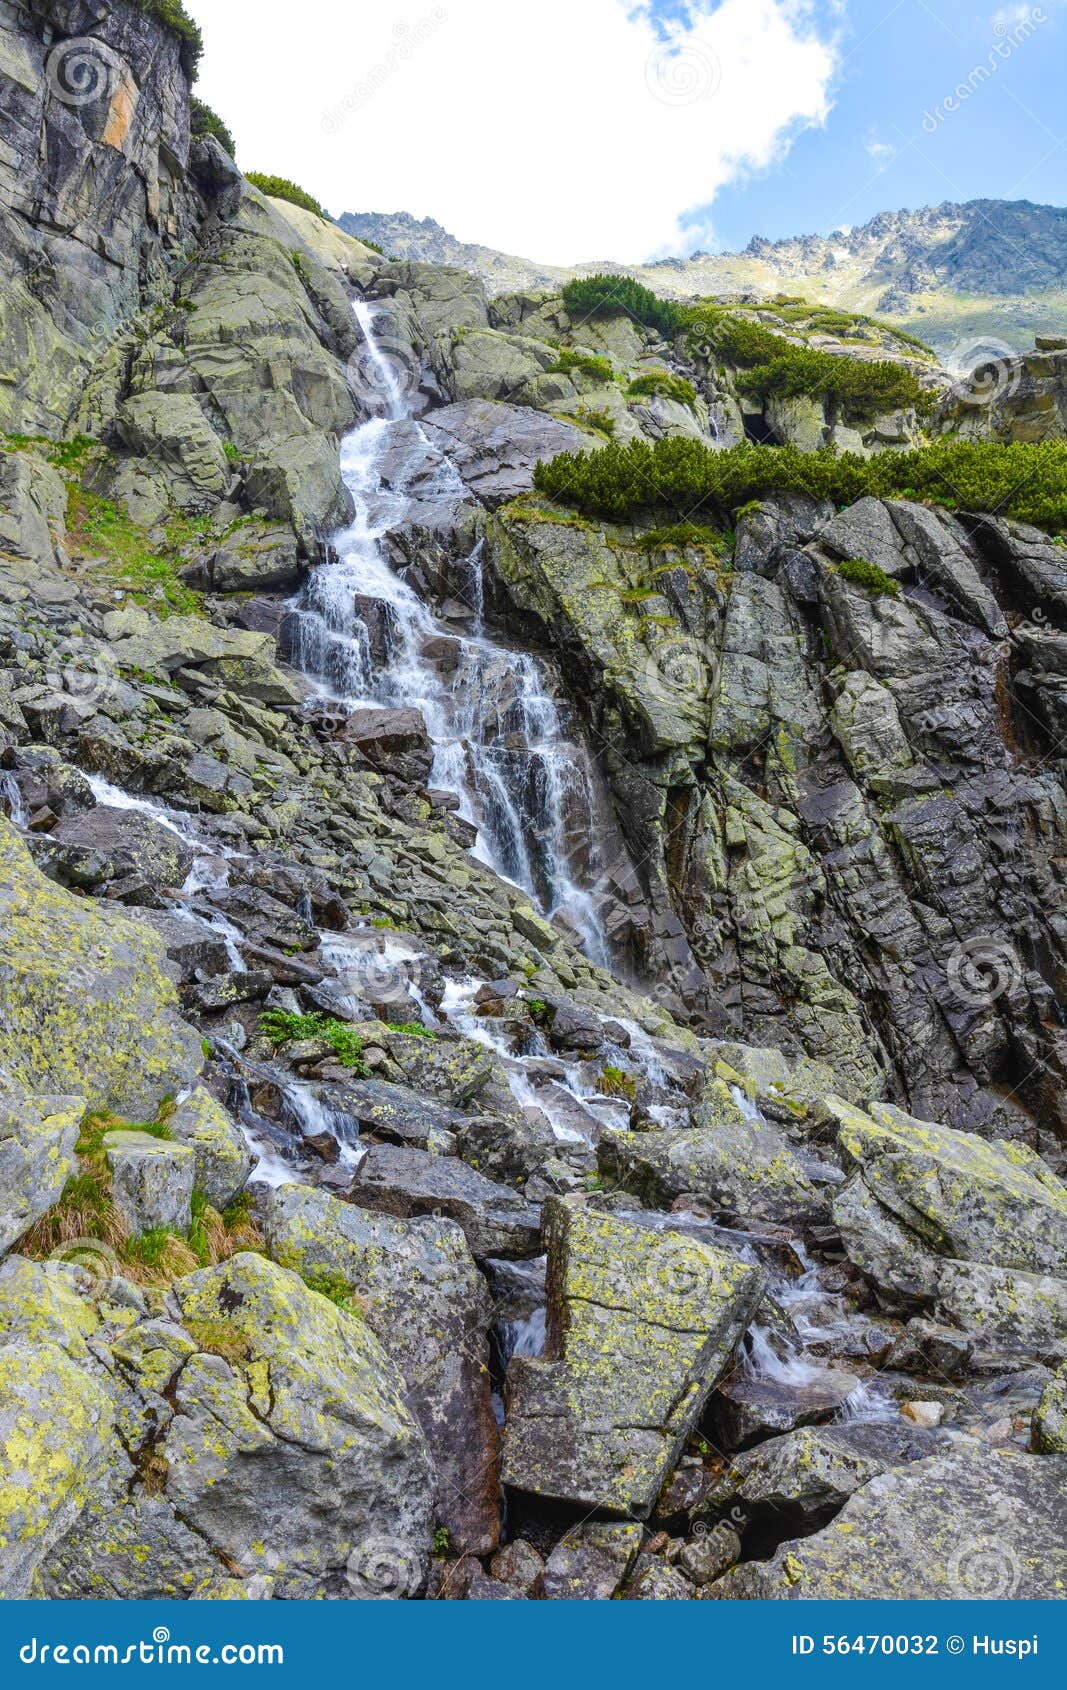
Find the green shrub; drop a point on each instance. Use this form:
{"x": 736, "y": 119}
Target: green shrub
{"x": 280, "y": 188}
{"x": 660, "y": 384}
{"x": 281, "y": 1026}
{"x": 606, "y": 296}
{"x": 859, "y": 387}
{"x": 614, "y": 1082}
{"x": 869, "y": 576}
{"x": 1025, "y": 481}
{"x": 585, "y": 363}
{"x": 414, "y": 1029}
{"x": 204, "y": 121}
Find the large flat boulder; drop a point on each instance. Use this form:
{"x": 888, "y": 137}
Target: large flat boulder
{"x": 404, "y": 1182}
{"x": 85, "y": 1005}
{"x": 738, "y": 1162}
{"x": 496, "y": 446}
{"x": 641, "y": 1327}
{"x": 95, "y": 847}
{"x": 424, "y": 1299}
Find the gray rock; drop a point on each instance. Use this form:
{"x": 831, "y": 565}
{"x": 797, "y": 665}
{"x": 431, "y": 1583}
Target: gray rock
{"x": 37, "y": 1139}
{"x": 406, "y": 1183}
{"x": 591, "y": 1562}
{"x": 102, "y": 845}
{"x": 223, "y": 1159}
{"x": 495, "y": 446}
{"x": 290, "y": 1435}
{"x": 968, "y": 1524}
{"x": 85, "y": 1006}
{"x": 1048, "y": 1430}
{"x": 422, "y": 1296}
{"x": 152, "y": 1181}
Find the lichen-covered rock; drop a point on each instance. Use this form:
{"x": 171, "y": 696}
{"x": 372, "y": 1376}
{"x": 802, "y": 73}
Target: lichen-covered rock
{"x": 152, "y": 1181}
{"x": 85, "y": 1006}
{"x": 641, "y": 1327}
{"x": 970, "y": 1523}
{"x": 590, "y": 1562}
{"x": 813, "y": 1470}
{"x": 1048, "y": 1430}
{"x": 290, "y": 1433}
{"x": 423, "y": 1298}
{"x": 735, "y": 1161}
{"x": 1003, "y": 1307}
{"x": 172, "y": 430}
{"x": 955, "y": 1194}
{"x": 55, "y": 1449}
{"x": 37, "y": 1139}
{"x": 223, "y": 1159}
{"x": 184, "y": 644}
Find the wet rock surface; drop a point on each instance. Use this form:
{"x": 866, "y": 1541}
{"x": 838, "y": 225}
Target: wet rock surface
{"x": 502, "y": 1018}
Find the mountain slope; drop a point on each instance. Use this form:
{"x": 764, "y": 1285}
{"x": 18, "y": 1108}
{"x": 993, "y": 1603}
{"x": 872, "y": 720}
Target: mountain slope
{"x": 954, "y": 273}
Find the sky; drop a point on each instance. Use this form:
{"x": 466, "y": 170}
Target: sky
{"x": 575, "y": 130}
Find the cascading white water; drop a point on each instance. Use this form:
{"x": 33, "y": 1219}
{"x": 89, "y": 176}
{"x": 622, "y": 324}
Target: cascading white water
{"x": 498, "y": 740}
{"x": 11, "y": 800}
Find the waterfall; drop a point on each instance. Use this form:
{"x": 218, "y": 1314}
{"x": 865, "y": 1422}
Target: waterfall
{"x": 366, "y": 637}
{"x": 11, "y": 800}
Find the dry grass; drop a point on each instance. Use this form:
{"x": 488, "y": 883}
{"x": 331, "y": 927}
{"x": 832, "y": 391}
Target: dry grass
{"x": 87, "y": 1210}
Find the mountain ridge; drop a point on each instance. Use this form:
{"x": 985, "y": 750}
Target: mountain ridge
{"x": 938, "y": 270}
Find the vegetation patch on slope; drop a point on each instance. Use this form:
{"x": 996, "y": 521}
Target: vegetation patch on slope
{"x": 680, "y": 476}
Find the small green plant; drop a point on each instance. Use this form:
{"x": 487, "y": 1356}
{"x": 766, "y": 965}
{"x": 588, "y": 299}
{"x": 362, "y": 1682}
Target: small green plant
{"x": 280, "y": 188}
{"x": 582, "y": 363}
{"x": 536, "y": 1006}
{"x": 336, "y": 1289}
{"x": 870, "y": 576}
{"x": 414, "y": 1029}
{"x": 614, "y": 1082}
{"x": 442, "y": 1543}
{"x": 600, "y": 421}
{"x": 660, "y": 384}
{"x": 282, "y": 1026}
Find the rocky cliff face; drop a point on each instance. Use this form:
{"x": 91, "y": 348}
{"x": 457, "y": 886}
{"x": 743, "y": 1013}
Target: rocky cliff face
{"x": 468, "y": 970}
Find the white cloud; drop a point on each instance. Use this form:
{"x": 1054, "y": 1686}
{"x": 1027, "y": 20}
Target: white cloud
{"x": 882, "y": 152}
{"x": 565, "y": 131}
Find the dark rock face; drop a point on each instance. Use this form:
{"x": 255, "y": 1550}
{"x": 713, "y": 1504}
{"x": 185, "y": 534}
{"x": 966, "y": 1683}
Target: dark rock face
{"x": 850, "y": 802}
